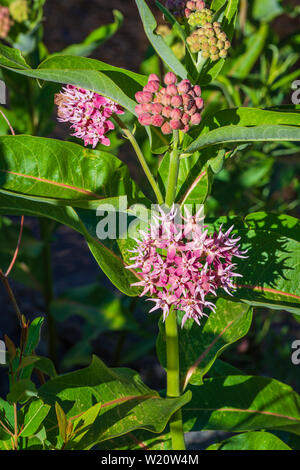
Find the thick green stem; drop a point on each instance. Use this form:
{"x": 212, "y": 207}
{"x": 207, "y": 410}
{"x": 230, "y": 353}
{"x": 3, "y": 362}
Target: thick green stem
{"x": 45, "y": 229}
{"x": 173, "y": 366}
{"x": 141, "y": 158}
{"x": 173, "y": 379}
{"x": 173, "y": 172}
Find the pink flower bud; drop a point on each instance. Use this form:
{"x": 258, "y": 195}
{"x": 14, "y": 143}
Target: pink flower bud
{"x": 139, "y": 109}
{"x": 176, "y": 114}
{"x": 199, "y": 103}
{"x": 175, "y": 124}
{"x": 147, "y": 107}
{"x": 187, "y": 12}
{"x": 172, "y": 90}
{"x": 153, "y": 77}
{"x": 185, "y": 118}
{"x": 184, "y": 86}
{"x": 157, "y": 120}
{"x": 176, "y": 101}
{"x": 187, "y": 99}
{"x": 166, "y": 128}
{"x": 197, "y": 90}
{"x": 152, "y": 86}
{"x": 170, "y": 78}
{"x": 145, "y": 119}
{"x": 195, "y": 119}
{"x": 156, "y": 108}
{"x": 166, "y": 99}
{"x": 143, "y": 97}
{"x": 192, "y": 110}
{"x": 167, "y": 111}
{"x": 186, "y": 128}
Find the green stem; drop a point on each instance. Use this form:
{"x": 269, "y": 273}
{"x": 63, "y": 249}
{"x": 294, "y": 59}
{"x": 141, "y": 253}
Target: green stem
{"x": 173, "y": 379}
{"x": 141, "y": 158}
{"x": 173, "y": 172}
{"x": 45, "y": 230}
{"x": 173, "y": 366}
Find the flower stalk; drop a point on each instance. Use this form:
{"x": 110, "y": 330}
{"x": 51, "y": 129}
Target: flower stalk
{"x": 141, "y": 158}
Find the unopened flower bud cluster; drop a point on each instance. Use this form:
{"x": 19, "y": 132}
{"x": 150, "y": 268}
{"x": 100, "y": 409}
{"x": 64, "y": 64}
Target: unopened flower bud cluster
{"x": 177, "y": 106}
{"x": 5, "y": 22}
{"x": 19, "y": 10}
{"x": 200, "y": 18}
{"x": 210, "y": 40}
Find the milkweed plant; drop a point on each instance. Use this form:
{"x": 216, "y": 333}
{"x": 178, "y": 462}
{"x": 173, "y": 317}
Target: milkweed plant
{"x": 198, "y": 275}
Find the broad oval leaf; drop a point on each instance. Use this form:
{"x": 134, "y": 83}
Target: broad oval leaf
{"x": 271, "y": 271}
{"x": 243, "y": 403}
{"x": 126, "y": 403}
{"x": 200, "y": 346}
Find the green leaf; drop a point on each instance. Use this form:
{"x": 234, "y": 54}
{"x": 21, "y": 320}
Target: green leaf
{"x": 41, "y": 167}
{"x": 83, "y": 424}
{"x": 34, "y": 415}
{"x": 62, "y": 421}
{"x": 96, "y": 38}
{"x": 162, "y": 49}
{"x": 248, "y": 117}
{"x": 266, "y": 10}
{"x": 243, "y": 403}
{"x": 254, "y": 46}
{"x": 12, "y": 58}
{"x": 251, "y": 441}
{"x": 127, "y": 404}
{"x": 22, "y": 391}
{"x": 201, "y": 345}
{"x": 235, "y": 135}
{"x": 270, "y": 273}
{"x": 7, "y": 418}
{"x": 120, "y": 85}
{"x": 45, "y": 365}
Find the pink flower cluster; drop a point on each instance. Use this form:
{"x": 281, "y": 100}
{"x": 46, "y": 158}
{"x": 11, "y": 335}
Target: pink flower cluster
{"x": 88, "y": 112}
{"x": 180, "y": 264}
{"x": 177, "y": 106}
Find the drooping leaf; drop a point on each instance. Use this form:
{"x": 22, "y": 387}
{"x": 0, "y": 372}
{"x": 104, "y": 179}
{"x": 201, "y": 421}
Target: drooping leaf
{"x": 120, "y": 85}
{"x": 234, "y": 135}
{"x": 162, "y": 49}
{"x": 201, "y": 346}
{"x": 251, "y": 441}
{"x": 270, "y": 272}
{"x": 243, "y": 403}
{"x": 127, "y": 404}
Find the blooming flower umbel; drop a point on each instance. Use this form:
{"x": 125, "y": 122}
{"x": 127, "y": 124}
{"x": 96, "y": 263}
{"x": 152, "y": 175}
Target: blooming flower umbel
{"x": 88, "y": 112}
{"x": 177, "y": 106}
{"x": 180, "y": 264}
